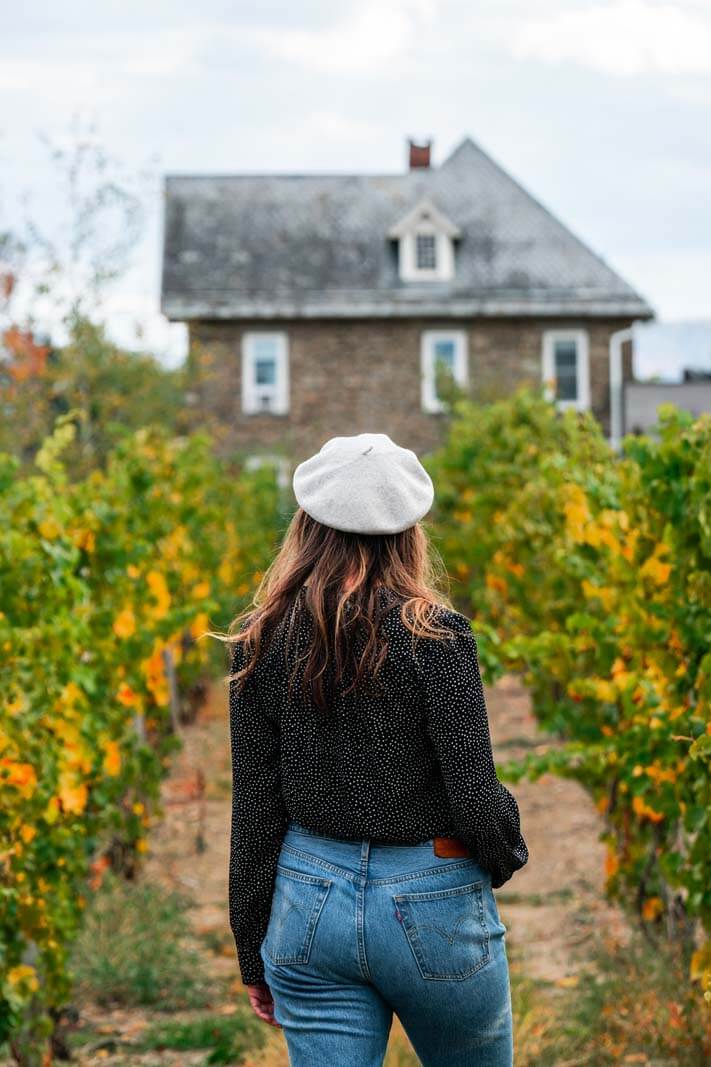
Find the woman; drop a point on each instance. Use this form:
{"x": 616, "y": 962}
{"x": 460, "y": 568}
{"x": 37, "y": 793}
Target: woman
{"x": 368, "y": 823}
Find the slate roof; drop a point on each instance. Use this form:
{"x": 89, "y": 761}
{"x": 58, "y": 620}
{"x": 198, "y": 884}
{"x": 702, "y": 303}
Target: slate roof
{"x": 290, "y": 246}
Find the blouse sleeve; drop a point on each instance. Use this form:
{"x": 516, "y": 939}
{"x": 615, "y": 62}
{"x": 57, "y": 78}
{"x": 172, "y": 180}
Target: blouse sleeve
{"x": 484, "y": 812}
{"x": 259, "y": 822}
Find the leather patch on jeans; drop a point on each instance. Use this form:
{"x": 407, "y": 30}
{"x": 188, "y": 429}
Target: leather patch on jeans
{"x": 450, "y": 846}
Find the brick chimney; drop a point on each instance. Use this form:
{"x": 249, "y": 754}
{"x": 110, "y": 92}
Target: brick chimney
{"x": 419, "y": 154}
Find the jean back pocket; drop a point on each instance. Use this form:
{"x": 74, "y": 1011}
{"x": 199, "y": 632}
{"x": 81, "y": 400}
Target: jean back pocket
{"x": 446, "y": 930}
{"x": 296, "y": 908}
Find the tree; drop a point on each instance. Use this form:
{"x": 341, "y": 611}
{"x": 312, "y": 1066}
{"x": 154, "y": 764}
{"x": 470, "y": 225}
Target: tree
{"x": 61, "y": 274}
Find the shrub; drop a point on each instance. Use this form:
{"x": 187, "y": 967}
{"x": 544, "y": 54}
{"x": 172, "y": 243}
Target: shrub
{"x": 108, "y": 583}
{"x": 589, "y": 574}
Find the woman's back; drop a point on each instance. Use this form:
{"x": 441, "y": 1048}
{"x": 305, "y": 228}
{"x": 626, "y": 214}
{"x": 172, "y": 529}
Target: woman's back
{"x": 368, "y": 824}
{"x": 404, "y": 759}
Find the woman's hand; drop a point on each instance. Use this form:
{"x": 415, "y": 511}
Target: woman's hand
{"x": 260, "y": 997}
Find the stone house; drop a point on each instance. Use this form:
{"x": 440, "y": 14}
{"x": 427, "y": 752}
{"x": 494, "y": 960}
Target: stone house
{"x": 322, "y": 304}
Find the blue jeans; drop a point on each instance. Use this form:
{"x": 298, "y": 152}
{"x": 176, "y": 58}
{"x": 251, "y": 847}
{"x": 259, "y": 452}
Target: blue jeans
{"x": 359, "y": 930}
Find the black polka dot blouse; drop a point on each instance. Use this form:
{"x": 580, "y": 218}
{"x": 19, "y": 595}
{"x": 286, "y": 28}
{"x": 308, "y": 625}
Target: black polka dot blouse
{"x": 410, "y": 762}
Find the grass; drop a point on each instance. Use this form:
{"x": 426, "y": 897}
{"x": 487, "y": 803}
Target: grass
{"x": 635, "y": 1004}
{"x": 631, "y": 1004}
{"x": 228, "y": 1038}
{"x": 134, "y": 949}
{"x": 535, "y": 899}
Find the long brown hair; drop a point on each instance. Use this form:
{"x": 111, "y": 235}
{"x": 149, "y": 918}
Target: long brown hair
{"x": 339, "y": 578}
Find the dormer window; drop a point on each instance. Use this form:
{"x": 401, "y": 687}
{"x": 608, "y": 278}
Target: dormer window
{"x": 425, "y": 239}
{"x": 426, "y": 249}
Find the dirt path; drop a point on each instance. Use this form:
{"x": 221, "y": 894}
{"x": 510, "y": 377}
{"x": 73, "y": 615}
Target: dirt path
{"x": 551, "y": 907}
{"x": 556, "y": 903}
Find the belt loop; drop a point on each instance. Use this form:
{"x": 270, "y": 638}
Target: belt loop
{"x": 364, "y": 857}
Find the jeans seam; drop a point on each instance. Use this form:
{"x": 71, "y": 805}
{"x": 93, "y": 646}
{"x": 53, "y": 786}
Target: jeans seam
{"x": 320, "y": 862}
{"x": 420, "y": 874}
{"x": 360, "y": 909}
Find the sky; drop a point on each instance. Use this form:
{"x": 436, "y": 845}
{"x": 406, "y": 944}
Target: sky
{"x": 600, "y": 108}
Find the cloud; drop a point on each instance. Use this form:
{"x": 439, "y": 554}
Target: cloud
{"x": 100, "y": 65}
{"x": 623, "y": 37}
{"x": 372, "y": 34}
{"x": 675, "y": 279}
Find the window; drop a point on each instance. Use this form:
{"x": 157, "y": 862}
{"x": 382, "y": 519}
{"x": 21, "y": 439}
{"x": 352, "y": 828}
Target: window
{"x": 426, "y": 251}
{"x": 425, "y": 238}
{"x": 442, "y": 348}
{"x": 265, "y": 373}
{"x": 565, "y": 368}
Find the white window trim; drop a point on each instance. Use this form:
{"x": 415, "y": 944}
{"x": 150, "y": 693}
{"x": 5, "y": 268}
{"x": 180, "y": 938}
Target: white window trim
{"x": 444, "y": 256}
{"x": 582, "y": 342}
{"x": 430, "y": 401}
{"x": 250, "y": 394}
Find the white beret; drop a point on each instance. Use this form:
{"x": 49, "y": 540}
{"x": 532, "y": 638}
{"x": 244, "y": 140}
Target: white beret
{"x": 364, "y": 484}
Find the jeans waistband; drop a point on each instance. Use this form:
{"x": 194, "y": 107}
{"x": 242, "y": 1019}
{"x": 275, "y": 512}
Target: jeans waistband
{"x": 298, "y": 828}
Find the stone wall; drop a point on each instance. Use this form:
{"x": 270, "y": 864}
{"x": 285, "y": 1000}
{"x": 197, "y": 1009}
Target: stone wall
{"x": 353, "y": 376}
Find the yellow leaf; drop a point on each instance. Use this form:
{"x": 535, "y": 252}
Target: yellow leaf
{"x": 225, "y": 572}
{"x": 605, "y": 595}
{"x": 127, "y": 696}
{"x": 641, "y": 808}
{"x": 577, "y": 513}
{"x": 700, "y": 961}
{"x": 49, "y": 529}
{"x": 16, "y": 705}
{"x": 661, "y": 774}
{"x": 629, "y": 548}
{"x": 159, "y": 589}
{"x": 112, "y": 758}
{"x": 199, "y": 625}
{"x": 652, "y": 908}
{"x": 125, "y": 623}
{"x": 24, "y": 975}
{"x": 20, "y": 775}
{"x": 656, "y": 570}
{"x": 497, "y": 583}
{"x": 604, "y": 690}
{"x": 84, "y": 539}
{"x": 72, "y": 793}
{"x": 612, "y": 863}
{"x": 568, "y": 982}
